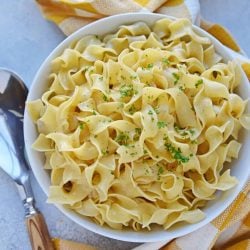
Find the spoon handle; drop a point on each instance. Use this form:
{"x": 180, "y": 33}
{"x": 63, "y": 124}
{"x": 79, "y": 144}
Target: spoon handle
{"x": 38, "y": 232}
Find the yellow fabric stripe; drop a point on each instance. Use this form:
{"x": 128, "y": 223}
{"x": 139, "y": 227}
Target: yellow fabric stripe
{"x": 222, "y": 221}
{"x": 247, "y": 221}
{"x": 59, "y": 11}
{"x": 223, "y": 36}
{"x": 242, "y": 245}
{"x": 142, "y": 2}
{"x": 86, "y": 6}
{"x": 171, "y": 3}
{"x": 60, "y": 244}
{"x": 246, "y": 68}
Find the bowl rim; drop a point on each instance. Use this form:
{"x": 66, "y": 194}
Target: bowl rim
{"x": 108, "y": 232}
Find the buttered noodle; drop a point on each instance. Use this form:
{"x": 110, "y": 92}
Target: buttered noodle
{"x": 136, "y": 127}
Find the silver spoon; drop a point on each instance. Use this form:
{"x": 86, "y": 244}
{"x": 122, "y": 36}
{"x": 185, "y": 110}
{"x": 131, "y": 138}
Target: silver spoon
{"x": 13, "y": 93}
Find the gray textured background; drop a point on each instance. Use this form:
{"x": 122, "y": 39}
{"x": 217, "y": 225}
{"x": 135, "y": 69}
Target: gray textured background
{"x": 25, "y": 41}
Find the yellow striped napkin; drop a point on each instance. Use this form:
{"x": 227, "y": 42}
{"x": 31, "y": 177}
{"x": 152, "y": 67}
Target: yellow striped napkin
{"x": 231, "y": 230}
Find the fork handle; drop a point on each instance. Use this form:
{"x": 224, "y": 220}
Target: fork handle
{"x": 38, "y": 232}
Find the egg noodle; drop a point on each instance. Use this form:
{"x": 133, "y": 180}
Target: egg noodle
{"x": 136, "y": 126}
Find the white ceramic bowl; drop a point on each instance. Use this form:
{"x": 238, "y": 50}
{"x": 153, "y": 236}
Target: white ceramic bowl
{"x": 240, "y": 167}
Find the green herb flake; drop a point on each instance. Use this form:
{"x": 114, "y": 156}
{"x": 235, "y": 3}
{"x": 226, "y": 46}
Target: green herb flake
{"x": 199, "y": 82}
{"x": 176, "y": 128}
{"x": 138, "y": 131}
{"x": 81, "y": 126}
{"x": 150, "y": 66}
{"x": 122, "y": 138}
{"x": 184, "y": 133}
{"x": 194, "y": 142}
{"x": 191, "y": 131}
{"x": 132, "y": 109}
{"x": 123, "y": 77}
{"x": 150, "y": 112}
{"x": 85, "y": 69}
{"x": 176, "y": 77}
{"x": 133, "y": 153}
{"x": 127, "y": 90}
{"x": 165, "y": 61}
{"x": 175, "y": 152}
{"x": 133, "y": 77}
{"x": 182, "y": 88}
{"x": 160, "y": 172}
{"x": 101, "y": 78}
{"x": 105, "y": 152}
{"x": 161, "y": 124}
{"x": 105, "y": 98}
{"x": 156, "y": 109}
{"x": 137, "y": 134}
{"x": 94, "y": 113}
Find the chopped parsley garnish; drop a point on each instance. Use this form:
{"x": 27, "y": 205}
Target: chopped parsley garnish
{"x": 184, "y": 133}
{"x": 150, "y": 66}
{"x": 175, "y": 152}
{"x": 94, "y": 113}
{"x": 133, "y": 153}
{"x": 156, "y": 109}
{"x": 166, "y": 61}
{"x": 132, "y": 109}
{"x": 182, "y": 88}
{"x": 122, "y": 138}
{"x": 81, "y": 126}
{"x": 150, "y": 112}
{"x": 191, "y": 131}
{"x": 137, "y": 134}
{"x": 194, "y": 142}
{"x": 105, "y": 152}
{"x": 105, "y": 98}
{"x": 199, "y": 82}
{"x": 138, "y": 131}
{"x": 176, "y": 128}
{"x": 127, "y": 90}
{"x": 160, "y": 172}
{"x": 123, "y": 77}
{"x": 133, "y": 77}
{"x": 176, "y": 77}
{"x": 161, "y": 124}
{"x": 101, "y": 78}
{"x": 85, "y": 69}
